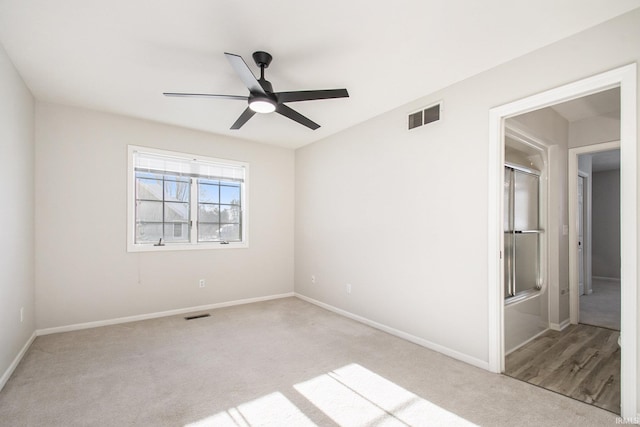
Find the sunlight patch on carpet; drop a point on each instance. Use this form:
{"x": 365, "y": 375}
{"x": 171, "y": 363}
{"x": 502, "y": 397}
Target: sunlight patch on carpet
{"x": 350, "y": 396}
{"x": 355, "y": 396}
{"x": 271, "y": 410}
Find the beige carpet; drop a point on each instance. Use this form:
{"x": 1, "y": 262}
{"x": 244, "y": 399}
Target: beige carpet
{"x": 602, "y": 306}
{"x": 282, "y": 362}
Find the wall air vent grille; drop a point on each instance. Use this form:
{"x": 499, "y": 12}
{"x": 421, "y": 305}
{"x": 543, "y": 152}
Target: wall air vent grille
{"x": 415, "y": 120}
{"x": 425, "y": 116}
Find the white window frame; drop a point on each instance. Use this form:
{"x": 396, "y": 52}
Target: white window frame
{"x": 193, "y": 244}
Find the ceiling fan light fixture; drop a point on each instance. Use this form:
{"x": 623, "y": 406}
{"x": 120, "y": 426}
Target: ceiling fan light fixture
{"x": 262, "y": 106}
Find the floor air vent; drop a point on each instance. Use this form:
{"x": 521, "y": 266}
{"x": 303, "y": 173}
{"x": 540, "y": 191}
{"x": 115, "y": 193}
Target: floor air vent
{"x": 197, "y": 316}
{"x": 425, "y": 116}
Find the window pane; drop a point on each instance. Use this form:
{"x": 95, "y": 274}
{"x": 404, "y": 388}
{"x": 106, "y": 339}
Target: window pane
{"x": 230, "y": 194}
{"x": 146, "y": 233}
{"x": 178, "y": 232}
{"x": 208, "y": 233}
{"x": 207, "y": 193}
{"x": 176, "y": 190}
{"x": 230, "y": 232}
{"x": 176, "y": 212}
{"x": 149, "y": 189}
{"x": 150, "y": 175}
{"x": 208, "y": 213}
{"x": 148, "y": 211}
{"x": 229, "y": 213}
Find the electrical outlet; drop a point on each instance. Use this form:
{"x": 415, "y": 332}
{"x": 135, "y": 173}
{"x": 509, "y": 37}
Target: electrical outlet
{"x": 201, "y": 283}
{"x": 348, "y": 288}
{"x": 21, "y": 314}
{"x": 313, "y": 279}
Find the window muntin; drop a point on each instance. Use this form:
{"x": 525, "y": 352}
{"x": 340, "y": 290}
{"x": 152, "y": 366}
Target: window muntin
{"x": 185, "y": 201}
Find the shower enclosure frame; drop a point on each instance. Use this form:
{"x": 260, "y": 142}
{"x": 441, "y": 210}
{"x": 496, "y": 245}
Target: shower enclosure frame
{"x": 512, "y": 295}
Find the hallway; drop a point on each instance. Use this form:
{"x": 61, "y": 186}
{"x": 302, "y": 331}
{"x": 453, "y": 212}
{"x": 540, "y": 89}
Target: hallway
{"x": 582, "y": 362}
{"x": 602, "y": 306}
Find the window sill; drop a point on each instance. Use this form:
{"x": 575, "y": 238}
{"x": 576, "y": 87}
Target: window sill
{"x": 185, "y": 247}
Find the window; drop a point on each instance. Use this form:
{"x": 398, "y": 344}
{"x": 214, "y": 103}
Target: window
{"x": 181, "y": 201}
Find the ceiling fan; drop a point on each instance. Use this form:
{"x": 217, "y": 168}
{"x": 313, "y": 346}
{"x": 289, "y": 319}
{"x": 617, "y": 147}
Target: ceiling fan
{"x": 262, "y": 98}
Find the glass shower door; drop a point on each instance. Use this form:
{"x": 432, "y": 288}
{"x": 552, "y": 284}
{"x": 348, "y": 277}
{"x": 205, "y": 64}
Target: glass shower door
{"x": 522, "y": 231}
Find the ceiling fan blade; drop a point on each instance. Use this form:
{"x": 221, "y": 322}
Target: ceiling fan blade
{"x": 206, "y": 95}
{"x": 310, "y": 95}
{"x": 242, "y": 70}
{"x": 294, "y": 115}
{"x": 244, "y": 117}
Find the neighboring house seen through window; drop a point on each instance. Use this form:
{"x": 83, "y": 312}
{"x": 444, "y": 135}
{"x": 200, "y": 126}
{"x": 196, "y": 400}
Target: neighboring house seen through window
{"x": 183, "y": 201}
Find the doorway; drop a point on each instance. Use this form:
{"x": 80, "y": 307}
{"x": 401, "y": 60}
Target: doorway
{"x": 541, "y": 348}
{"x": 625, "y": 79}
{"x": 583, "y": 361}
{"x": 609, "y": 229}
{"x": 598, "y": 251}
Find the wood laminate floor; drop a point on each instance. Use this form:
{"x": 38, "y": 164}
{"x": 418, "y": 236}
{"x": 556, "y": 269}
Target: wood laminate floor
{"x": 582, "y": 362}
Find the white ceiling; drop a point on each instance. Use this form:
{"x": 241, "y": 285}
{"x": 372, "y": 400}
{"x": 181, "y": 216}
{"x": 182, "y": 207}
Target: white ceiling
{"x": 605, "y": 161}
{"x": 605, "y": 103}
{"x": 120, "y": 55}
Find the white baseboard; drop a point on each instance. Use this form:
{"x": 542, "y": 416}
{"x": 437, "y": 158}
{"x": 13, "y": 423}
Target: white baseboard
{"x": 559, "y": 326}
{"x": 16, "y": 361}
{"x": 416, "y": 340}
{"x": 96, "y": 324}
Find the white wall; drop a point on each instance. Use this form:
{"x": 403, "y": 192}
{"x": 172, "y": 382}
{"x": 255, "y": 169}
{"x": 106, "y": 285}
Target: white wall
{"x": 594, "y": 130}
{"x": 402, "y": 215}
{"x": 606, "y": 224}
{"x": 16, "y": 215}
{"x": 83, "y": 270}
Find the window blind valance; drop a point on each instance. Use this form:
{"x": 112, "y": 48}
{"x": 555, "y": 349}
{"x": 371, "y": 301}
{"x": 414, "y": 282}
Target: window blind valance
{"x": 183, "y": 166}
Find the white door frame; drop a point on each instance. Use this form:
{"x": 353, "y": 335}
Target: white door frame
{"x": 574, "y": 297}
{"x": 625, "y": 78}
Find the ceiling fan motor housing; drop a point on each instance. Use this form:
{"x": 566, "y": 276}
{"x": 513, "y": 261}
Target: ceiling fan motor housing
{"x": 262, "y": 59}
